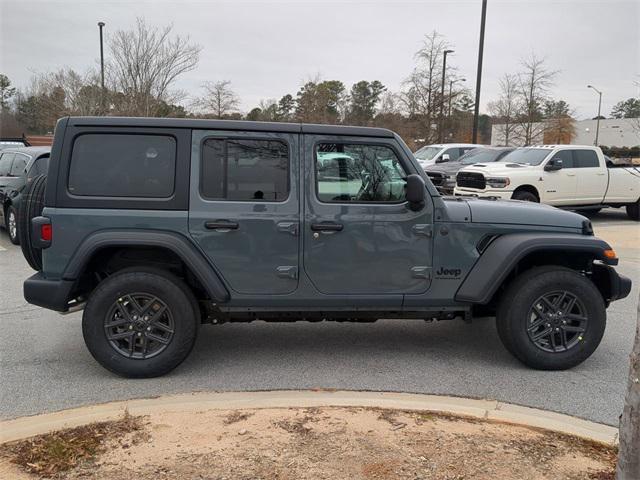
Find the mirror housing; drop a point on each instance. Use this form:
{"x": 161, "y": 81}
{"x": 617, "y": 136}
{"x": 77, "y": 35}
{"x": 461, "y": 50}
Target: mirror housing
{"x": 553, "y": 165}
{"x": 443, "y": 158}
{"x": 415, "y": 191}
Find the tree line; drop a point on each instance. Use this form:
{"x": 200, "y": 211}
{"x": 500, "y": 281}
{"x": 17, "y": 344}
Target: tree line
{"x": 144, "y": 63}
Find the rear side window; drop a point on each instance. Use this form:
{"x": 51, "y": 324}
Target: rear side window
{"x": 123, "y": 165}
{"x": 585, "y": 159}
{"x": 5, "y": 163}
{"x": 245, "y": 170}
{"x": 19, "y": 164}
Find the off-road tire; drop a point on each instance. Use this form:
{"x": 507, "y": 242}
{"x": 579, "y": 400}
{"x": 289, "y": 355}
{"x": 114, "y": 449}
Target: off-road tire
{"x": 31, "y": 206}
{"x": 11, "y": 215}
{"x": 633, "y": 211}
{"x": 172, "y": 291}
{"x": 525, "y": 196}
{"x": 513, "y": 312}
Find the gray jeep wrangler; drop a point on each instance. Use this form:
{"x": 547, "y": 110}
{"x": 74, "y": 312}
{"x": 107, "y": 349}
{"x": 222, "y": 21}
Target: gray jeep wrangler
{"x": 155, "y": 226}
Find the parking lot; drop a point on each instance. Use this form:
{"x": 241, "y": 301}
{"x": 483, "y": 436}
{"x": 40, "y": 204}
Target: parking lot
{"x": 44, "y": 365}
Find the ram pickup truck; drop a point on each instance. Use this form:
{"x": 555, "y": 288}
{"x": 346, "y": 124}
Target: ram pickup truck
{"x": 567, "y": 176}
{"x": 155, "y": 226}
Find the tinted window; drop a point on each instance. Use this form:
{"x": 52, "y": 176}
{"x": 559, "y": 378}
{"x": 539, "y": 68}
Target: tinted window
{"x": 566, "y": 156}
{"x": 585, "y": 158}
{"x": 358, "y": 173}
{"x": 19, "y": 164}
{"x": 117, "y": 165}
{"x": 5, "y": 164}
{"x": 234, "y": 169}
{"x": 454, "y": 153}
{"x": 39, "y": 167}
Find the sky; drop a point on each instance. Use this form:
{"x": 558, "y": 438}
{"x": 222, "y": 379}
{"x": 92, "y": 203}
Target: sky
{"x": 268, "y": 48}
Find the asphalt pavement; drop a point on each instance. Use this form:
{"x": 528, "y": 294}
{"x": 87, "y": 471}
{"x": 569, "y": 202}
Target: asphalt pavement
{"x": 44, "y": 365}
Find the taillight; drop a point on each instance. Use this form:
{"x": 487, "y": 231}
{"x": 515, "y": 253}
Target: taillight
{"x": 46, "y": 232}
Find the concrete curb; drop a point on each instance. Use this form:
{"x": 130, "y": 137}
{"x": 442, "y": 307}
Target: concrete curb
{"x": 25, "y": 427}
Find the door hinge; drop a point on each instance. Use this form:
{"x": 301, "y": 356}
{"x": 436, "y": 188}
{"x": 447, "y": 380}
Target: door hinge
{"x": 421, "y": 272}
{"x": 288, "y": 227}
{"x": 423, "y": 229}
{"x": 287, "y": 271}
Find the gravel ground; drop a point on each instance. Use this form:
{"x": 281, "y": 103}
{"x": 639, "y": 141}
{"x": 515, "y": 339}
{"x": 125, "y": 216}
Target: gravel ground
{"x": 44, "y": 365}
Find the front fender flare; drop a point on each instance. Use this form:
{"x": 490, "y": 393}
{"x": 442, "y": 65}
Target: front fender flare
{"x": 178, "y": 244}
{"x": 504, "y": 253}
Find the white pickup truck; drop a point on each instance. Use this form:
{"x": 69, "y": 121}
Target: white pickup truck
{"x": 568, "y": 176}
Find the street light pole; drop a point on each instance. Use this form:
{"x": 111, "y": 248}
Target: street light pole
{"x": 444, "y": 71}
{"x": 595, "y": 143}
{"x": 100, "y": 26}
{"x": 476, "y": 109}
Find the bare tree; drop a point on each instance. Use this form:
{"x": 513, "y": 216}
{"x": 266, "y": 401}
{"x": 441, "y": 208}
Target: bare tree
{"x": 629, "y": 451}
{"x": 145, "y": 62}
{"x": 505, "y": 109}
{"x": 422, "y": 94}
{"x": 533, "y": 87}
{"x": 219, "y": 99}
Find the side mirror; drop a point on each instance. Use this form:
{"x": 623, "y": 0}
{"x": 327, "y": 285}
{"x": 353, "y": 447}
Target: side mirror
{"x": 415, "y": 191}
{"x": 553, "y": 165}
{"x": 443, "y": 158}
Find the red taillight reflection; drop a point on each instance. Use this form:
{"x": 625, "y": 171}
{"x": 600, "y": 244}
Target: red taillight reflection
{"x": 46, "y": 232}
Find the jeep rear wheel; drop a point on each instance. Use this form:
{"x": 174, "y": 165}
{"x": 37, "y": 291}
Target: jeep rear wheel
{"x": 140, "y": 323}
{"x": 551, "y": 318}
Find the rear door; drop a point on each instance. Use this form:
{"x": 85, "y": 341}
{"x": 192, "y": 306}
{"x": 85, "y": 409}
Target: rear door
{"x": 244, "y": 208}
{"x": 592, "y": 177}
{"x": 360, "y": 237}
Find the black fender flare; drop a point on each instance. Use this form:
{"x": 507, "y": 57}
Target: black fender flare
{"x": 504, "y": 253}
{"x": 178, "y": 244}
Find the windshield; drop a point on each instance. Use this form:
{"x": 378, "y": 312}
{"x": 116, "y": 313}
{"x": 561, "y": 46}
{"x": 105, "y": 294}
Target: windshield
{"x": 427, "y": 153}
{"x": 526, "y": 156}
{"x": 480, "y": 155}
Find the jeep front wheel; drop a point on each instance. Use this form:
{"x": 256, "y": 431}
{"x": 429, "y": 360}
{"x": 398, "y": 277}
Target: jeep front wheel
{"x": 140, "y": 323}
{"x": 551, "y": 318}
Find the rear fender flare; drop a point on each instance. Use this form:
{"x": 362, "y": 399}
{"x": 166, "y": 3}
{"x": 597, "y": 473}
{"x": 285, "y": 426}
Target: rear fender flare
{"x": 178, "y": 244}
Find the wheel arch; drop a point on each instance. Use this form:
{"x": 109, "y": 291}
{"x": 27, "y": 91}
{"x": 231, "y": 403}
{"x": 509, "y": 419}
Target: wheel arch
{"x": 527, "y": 188}
{"x": 120, "y": 249}
{"x": 509, "y": 255}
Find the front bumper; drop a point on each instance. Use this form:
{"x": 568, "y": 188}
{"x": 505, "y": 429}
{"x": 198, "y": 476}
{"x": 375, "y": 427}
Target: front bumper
{"x": 51, "y": 294}
{"x": 615, "y": 286}
{"x": 470, "y": 192}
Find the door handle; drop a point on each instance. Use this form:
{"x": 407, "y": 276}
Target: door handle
{"x": 327, "y": 227}
{"x": 221, "y": 225}
{"x": 571, "y": 174}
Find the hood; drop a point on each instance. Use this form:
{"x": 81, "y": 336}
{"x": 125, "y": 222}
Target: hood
{"x": 522, "y": 213}
{"x": 499, "y": 168}
{"x": 445, "y": 167}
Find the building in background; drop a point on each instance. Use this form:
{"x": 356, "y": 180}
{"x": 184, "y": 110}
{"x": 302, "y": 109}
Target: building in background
{"x": 614, "y": 132}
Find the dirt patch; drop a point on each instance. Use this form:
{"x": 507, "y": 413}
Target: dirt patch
{"x": 331, "y": 443}
{"x": 51, "y": 454}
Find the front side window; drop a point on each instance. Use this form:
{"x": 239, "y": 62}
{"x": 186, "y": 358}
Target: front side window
{"x": 358, "y": 173}
{"x": 123, "y": 165}
{"x": 19, "y": 164}
{"x": 585, "y": 159}
{"x": 454, "y": 153}
{"x": 567, "y": 158}
{"x": 245, "y": 170}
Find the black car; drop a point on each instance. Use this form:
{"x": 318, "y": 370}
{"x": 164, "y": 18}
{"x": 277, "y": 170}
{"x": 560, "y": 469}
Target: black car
{"x": 443, "y": 175}
{"x": 17, "y": 167}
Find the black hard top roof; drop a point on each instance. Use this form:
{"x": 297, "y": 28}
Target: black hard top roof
{"x": 230, "y": 125}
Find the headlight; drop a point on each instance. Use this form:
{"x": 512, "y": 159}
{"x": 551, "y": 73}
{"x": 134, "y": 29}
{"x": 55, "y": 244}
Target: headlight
{"x": 498, "y": 182}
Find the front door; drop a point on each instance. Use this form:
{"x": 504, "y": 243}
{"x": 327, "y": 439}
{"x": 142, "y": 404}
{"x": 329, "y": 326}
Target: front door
{"x": 244, "y": 208}
{"x": 560, "y": 185}
{"x": 360, "y": 236}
